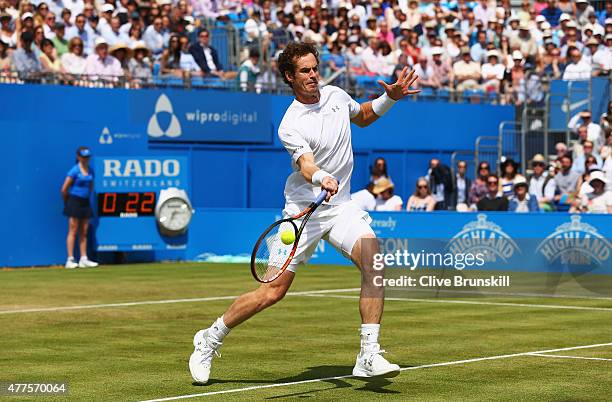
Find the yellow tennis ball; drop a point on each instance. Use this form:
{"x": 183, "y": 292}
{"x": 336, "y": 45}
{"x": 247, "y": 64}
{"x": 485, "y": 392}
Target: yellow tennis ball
{"x": 288, "y": 237}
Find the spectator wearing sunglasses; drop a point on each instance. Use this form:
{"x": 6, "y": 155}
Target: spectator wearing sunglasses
{"x": 478, "y": 190}
{"x": 73, "y": 62}
{"x": 494, "y": 199}
{"x": 422, "y": 199}
{"x": 542, "y": 184}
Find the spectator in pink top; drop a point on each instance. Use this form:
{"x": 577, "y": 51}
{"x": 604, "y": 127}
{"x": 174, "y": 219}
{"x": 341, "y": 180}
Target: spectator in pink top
{"x": 101, "y": 65}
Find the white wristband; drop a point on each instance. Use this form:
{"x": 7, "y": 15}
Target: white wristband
{"x": 318, "y": 176}
{"x": 382, "y": 104}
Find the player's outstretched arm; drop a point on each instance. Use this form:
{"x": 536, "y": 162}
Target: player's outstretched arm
{"x": 319, "y": 177}
{"x": 371, "y": 111}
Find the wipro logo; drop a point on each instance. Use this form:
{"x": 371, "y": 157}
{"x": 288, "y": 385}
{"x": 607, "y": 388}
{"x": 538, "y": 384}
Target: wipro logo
{"x": 225, "y": 117}
{"x": 164, "y": 121}
{"x": 141, "y": 168}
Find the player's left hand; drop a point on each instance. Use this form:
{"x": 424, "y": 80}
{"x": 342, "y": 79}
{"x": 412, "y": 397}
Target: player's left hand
{"x": 401, "y": 87}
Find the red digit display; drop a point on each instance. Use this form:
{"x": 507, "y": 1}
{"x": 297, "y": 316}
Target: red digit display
{"x": 126, "y": 205}
{"x": 147, "y": 203}
{"x": 132, "y": 204}
{"x": 109, "y": 207}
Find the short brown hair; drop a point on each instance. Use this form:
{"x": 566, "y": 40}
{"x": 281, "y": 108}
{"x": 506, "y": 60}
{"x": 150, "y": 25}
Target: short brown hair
{"x": 294, "y": 50}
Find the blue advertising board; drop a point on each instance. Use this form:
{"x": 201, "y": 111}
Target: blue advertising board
{"x": 198, "y": 116}
{"x": 521, "y": 242}
{"x": 568, "y": 98}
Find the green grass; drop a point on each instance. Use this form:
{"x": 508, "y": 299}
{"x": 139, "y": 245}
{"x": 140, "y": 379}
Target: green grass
{"x": 140, "y": 352}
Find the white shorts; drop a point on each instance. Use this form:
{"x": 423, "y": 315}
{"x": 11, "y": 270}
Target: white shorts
{"x": 340, "y": 225}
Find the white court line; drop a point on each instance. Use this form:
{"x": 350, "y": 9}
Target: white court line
{"x": 170, "y": 301}
{"x": 451, "y": 363}
{"x": 551, "y": 306}
{"x": 571, "y": 357}
{"x": 311, "y": 293}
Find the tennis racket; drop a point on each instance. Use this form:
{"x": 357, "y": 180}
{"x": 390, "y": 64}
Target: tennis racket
{"x": 271, "y": 257}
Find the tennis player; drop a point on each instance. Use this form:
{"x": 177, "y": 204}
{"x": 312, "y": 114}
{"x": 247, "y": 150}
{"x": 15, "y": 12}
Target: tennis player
{"x": 316, "y": 131}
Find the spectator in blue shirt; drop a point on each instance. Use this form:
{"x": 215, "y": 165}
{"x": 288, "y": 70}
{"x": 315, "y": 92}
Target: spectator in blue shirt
{"x": 603, "y": 15}
{"x": 521, "y": 201}
{"x": 24, "y": 59}
{"x": 552, "y": 13}
{"x": 76, "y": 191}
{"x": 79, "y": 29}
{"x": 154, "y": 37}
{"x": 479, "y": 49}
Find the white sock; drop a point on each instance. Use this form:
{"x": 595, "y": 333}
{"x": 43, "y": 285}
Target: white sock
{"x": 218, "y": 330}
{"x": 369, "y": 336}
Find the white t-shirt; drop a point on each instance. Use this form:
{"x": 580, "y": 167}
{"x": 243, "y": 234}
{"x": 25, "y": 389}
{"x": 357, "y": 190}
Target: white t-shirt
{"x": 580, "y": 71}
{"x": 364, "y": 199}
{"x": 497, "y": 69}
{"x": 389, "y": 205}
{"x": 597, "y": 204}
{"x": 324, "y": 129}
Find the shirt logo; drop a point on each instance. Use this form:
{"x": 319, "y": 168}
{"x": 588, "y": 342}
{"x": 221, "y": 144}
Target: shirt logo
{"x": 335, "y": 108}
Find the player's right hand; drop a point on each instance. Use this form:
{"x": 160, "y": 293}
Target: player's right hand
{"x": 331, "y": 185}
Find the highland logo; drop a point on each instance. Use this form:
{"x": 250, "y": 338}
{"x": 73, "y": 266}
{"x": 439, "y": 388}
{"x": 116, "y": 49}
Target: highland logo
{"x": 576, "y": 243}
{"x": 483, "y": 237}
{"x": 164, "y": 121}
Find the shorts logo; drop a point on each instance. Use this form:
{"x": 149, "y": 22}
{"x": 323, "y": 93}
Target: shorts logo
{"x": 576, "y": 243}
{"x": 163, "y": 110}
{"x": 483, "y": 237}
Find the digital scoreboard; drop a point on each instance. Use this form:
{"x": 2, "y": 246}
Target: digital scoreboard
{"x": 127, "y": 205}
{"x": 127, "y": 192}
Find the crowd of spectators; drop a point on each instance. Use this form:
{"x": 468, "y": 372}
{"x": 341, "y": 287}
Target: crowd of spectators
{"x": 483, "y": 45}
{"x": 575, "y": 179}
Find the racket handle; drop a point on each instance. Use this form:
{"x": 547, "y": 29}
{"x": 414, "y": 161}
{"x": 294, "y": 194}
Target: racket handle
{"x": 321, "y": 197}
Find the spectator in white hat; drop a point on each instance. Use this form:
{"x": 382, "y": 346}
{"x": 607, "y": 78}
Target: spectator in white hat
{"x": 101, "y": 65}
{"x": 577, "y": 69}
{"x": 7, "y": 34}
{"x": 105, "y": 15}
{"x": 521, "y": 200}
{"x": 442, "y": 70}
{"x": 599, "y": 201}
{"x": 602, "y": 58}
{"x": 571, "y": 39}
{"x": 525, "y": 42}
{"x": 492, "y": 72}
{"x": 541, "y": 183}
{"x": 140, "y": 65}
{"x": 583, "y": 10}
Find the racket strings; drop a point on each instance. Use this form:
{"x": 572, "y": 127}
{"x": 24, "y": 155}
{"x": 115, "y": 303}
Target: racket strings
{"x": 272, "y": 253}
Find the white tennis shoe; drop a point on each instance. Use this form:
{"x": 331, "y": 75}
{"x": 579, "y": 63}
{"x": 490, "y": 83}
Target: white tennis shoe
{"x": 370, "y": 363}
{"x": 71, "y": 263}
{"x": 200, "y": 361}
{"x": 85, "y": 262}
